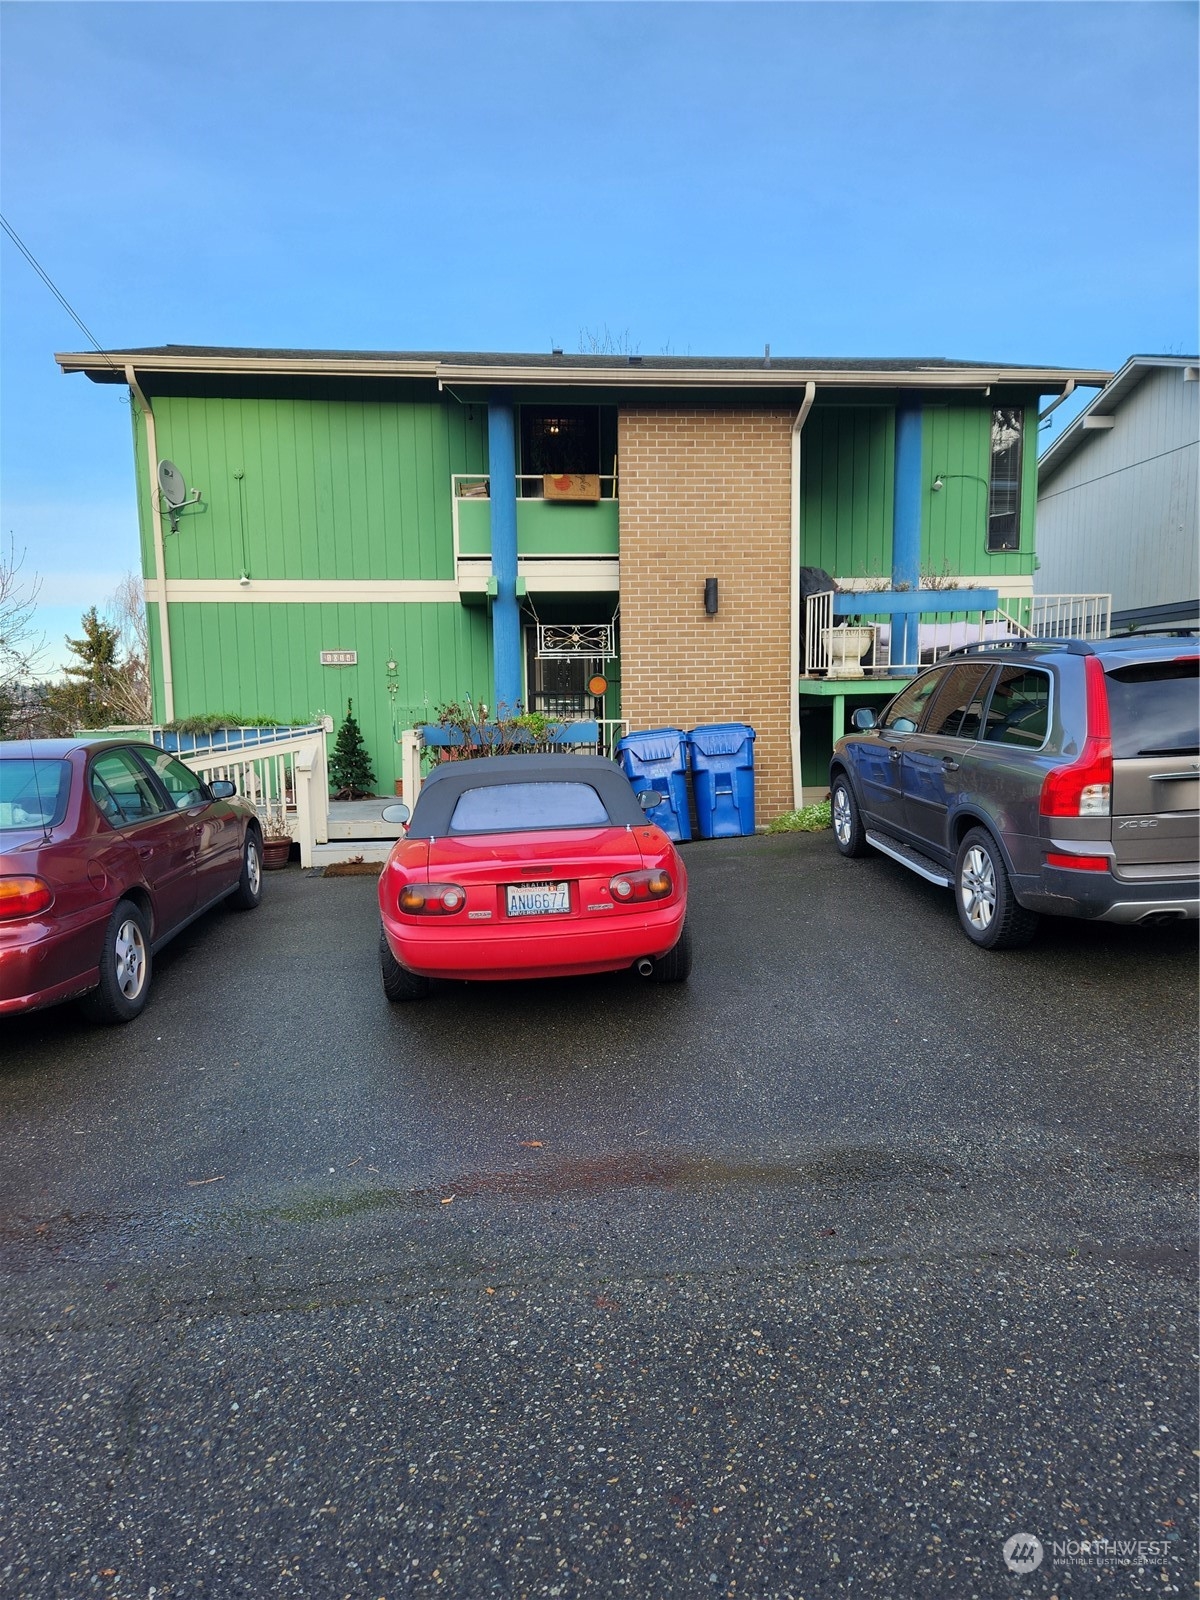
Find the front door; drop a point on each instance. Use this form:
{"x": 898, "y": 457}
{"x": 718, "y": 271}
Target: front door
{"x": 165, "y": 840}
{"x": 878, "y": 759}
{"x": 932, "y": 759}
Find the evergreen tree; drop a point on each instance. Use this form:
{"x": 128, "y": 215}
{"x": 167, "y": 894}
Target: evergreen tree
{"x": 86, "y": 696}
{"x": 350, "y": 771}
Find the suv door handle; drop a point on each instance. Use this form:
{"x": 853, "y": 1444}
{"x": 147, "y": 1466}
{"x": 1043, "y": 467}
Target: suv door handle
{"x": 949, "y": 763}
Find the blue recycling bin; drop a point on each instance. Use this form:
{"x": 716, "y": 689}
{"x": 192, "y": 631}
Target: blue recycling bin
{"x": 723, "y": 779}
{"x": 657, "y": 759}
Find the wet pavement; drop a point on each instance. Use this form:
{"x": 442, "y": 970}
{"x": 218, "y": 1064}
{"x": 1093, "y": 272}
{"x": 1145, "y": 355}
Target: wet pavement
{"x": 824, "y": 1275}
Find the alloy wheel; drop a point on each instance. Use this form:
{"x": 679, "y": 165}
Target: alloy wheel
{"x": 977, "y": 886}
{"x": 841, "y": 815}
{"x": 130, "y": 953}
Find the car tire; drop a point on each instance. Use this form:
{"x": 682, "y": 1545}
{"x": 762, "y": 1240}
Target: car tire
{"x": 248, "y": 893}
{"x": 399, "y": 984}
{"x": 987, "y": 908}
{"x": 848, "y": 832}
{"x": 677, "y": 963}
{"x": 126, "y": 964}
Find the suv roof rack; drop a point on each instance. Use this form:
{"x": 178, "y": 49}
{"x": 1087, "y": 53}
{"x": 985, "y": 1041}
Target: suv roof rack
{"x": 1161, "y": 630}
{"x": 1077, "y": 647}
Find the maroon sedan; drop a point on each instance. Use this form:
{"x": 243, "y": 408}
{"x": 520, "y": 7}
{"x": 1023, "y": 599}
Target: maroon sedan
{"x": 107, "y": 849}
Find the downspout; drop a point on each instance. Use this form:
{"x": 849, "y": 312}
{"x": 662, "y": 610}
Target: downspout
{"x": 810, "y": 391}
{"x": 1054, "y": 404}
{"x": 160, "y": 560}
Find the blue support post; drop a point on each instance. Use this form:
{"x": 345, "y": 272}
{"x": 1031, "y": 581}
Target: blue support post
{"x": 906, "y": 522}
{"x": 506, "y": 613}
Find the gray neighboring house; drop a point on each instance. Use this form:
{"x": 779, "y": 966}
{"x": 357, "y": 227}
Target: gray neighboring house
{"x": 1117, "y": 501}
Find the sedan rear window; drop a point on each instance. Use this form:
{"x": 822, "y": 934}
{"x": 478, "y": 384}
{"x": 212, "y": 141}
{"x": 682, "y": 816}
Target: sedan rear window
{"x": 521, "y": 807}
{"x": 33, "y": 794}
{"x": 1154, "y": 708}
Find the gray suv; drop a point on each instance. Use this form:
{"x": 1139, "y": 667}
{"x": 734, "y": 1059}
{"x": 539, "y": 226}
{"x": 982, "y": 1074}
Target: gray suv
{"x": 1036, "y": 776}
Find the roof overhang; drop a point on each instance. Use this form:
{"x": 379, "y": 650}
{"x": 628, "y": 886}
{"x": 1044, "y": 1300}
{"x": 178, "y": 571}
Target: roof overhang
{"x": 1097, "y": 415}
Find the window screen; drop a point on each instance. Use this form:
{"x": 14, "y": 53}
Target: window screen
{"x": 1019, "y": 710}
{"x": 522, "y": 807}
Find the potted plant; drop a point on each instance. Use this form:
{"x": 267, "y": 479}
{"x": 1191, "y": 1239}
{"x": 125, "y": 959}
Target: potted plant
{"x": 845, "y": 646}
{"x": 277, "y": 836}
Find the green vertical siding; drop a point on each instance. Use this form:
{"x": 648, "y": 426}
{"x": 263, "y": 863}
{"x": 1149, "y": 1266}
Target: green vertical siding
{"x": 262, "y": 660}
{"x": 328, "y": 488}
{"x": 847, "y": 467}
{"x": 957, "y": 442}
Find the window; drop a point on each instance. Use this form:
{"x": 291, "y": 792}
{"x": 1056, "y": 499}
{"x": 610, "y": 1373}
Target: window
{"x": 561, "y": 440}
{"x": 33, "y": 794}
{"x": 520, "y": 807}
{"x": 958, "y": 709}
{"x": 1019, "y": 710}
{"x": 184, "y": 787}
{"x": 1004, "y": 483}
{"x": 122, "y": 790}
{"x": 906, "y": 710}
{"x": 1154, "y": 709}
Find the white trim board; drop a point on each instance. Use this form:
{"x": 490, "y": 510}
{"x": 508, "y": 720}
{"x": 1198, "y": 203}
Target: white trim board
{"x": 306, "y": 591}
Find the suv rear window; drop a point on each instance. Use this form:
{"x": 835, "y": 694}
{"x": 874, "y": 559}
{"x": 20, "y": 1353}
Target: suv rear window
{"x": 520, "y": 807}
{"x": 1154, "y": 708}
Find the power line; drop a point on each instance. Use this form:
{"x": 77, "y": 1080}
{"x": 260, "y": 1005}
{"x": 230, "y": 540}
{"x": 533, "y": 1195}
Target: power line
{"x": 55, "y": 291}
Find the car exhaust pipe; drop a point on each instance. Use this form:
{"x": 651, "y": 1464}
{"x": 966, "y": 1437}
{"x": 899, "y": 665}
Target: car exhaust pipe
{"x": 1154, "y": 918}
{"x": 645, "y": 966}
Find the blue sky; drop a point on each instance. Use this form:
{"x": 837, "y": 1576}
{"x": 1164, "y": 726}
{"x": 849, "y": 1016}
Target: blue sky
{"x": 1009, "y": 182}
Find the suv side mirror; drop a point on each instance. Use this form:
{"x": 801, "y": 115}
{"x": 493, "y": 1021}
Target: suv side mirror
{"x": 863, "y": 718}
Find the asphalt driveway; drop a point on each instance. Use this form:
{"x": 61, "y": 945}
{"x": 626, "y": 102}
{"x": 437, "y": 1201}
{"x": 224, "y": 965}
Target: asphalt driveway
{"x": 826, "y": 1274}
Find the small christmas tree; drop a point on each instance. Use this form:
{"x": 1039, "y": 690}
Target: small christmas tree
{"x": 350, "y": 771}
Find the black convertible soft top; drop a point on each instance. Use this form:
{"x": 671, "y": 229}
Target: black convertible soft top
{"x": 442, "y": 788}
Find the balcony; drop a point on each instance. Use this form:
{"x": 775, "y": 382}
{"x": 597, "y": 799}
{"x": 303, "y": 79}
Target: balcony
{"x": 563, "y": 546}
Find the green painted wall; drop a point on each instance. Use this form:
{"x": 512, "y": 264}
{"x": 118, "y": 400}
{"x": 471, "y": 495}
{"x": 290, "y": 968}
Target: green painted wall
{"x": 544, "y": 528}
{"x": 262, "y": 660}
{"x": 957, "y": 442}
{"x": 329, "y": 488}
{"x": 847, "y": 466}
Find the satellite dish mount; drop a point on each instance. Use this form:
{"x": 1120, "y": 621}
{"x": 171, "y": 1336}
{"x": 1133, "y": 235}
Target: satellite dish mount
{"x": 174, "y": 491}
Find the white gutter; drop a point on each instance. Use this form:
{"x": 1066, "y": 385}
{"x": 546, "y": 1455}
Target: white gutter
{"x": 160, "y": 559}
{"x": 810, "y": 390}
{"x": 1054, "y": 404}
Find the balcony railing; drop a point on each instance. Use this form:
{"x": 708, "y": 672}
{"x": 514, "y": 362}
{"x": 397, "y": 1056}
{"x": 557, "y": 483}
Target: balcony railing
{"x": 546, "y": 529}
{"x": 867, "y": 643}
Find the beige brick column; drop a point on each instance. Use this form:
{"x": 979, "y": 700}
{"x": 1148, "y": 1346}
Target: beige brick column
{"x": 706, "y": 493}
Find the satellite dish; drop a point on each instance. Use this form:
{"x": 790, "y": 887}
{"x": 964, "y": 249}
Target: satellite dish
{"x": 171, "y": 482}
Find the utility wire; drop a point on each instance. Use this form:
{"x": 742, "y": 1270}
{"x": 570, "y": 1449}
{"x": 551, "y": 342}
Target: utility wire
{"x": 55, "y": 291}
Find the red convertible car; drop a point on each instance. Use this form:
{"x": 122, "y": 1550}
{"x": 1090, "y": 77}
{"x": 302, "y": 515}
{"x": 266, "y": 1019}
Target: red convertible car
{"x": 107, "y": 849}
{"x": 535, "y": 866}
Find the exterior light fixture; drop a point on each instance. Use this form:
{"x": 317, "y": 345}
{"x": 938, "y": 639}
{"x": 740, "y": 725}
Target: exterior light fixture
{"x": 710, "y": 596}
{"x": 938, "y": 483}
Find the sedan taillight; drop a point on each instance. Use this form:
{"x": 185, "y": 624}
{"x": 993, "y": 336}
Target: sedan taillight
{"x": 23, "y": 897}
{"x": 432, "y": 899}
{"x": 629, "y": 886}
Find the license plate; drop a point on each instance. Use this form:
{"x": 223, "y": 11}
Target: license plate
{"x": 537, "y": 899}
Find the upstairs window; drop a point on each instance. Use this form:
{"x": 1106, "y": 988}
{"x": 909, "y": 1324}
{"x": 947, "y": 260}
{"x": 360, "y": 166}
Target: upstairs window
{"x": 567, "y": 441}
{"x": 1004, "y": 482}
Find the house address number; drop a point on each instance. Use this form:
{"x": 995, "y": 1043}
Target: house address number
{"x": 339, "y": 658}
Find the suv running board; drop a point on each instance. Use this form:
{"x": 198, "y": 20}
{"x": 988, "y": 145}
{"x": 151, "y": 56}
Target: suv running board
{"x": 912, "y": 859}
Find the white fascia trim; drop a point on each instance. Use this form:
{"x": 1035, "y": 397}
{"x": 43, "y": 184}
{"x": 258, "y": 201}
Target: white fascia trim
{"x": 307, "y": 591}
{"x": 545, "y": 576}
{"x": 310, "y": 366}
{"x": 1047, "y": 380}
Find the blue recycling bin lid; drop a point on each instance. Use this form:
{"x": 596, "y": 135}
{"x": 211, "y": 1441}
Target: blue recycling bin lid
{"x": 721, "y": 738}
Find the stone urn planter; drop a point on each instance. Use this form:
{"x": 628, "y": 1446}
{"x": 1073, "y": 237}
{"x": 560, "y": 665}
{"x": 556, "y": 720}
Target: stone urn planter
{"x": 846, "y": 647}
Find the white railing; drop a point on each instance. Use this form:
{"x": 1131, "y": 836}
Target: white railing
{"x": 1071, "y": 616}
{"x": 284, "y": 777}
{"x": 842, "y": 648}
{"x": 612, "y": 729}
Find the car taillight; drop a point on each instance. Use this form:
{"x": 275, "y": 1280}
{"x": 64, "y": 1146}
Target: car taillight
{"x": 1084, "y": 789}
{"x": 23, "y": 897}
{"x": 432, "y": 899}
{"x": 653, "y": 885}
